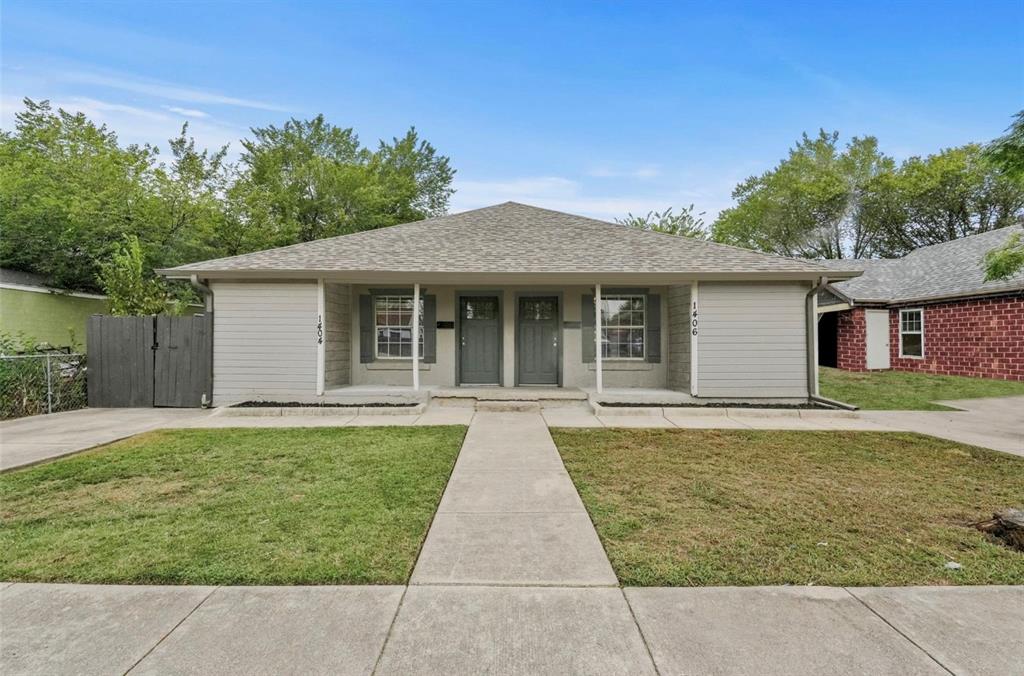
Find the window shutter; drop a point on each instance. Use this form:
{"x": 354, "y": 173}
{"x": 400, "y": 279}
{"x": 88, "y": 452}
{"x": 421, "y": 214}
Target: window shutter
{"x": 653, "y": 328}
{"x": 587, "y": 329}
{"x": 429, "y": 329}
{"x": 367, "y": 339}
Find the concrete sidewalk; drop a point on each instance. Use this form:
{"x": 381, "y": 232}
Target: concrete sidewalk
{"x": 510, "y": 514}
{"x": 107, "y": 629}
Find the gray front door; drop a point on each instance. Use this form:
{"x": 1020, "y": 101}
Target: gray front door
{"x": 479, "y": 340}
{"x": 537, "y": 348}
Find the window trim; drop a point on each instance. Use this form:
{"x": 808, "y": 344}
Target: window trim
{"x": 899, "y": 327}
{"x": 643, "y": 325}
{"x": 376, "y": 328}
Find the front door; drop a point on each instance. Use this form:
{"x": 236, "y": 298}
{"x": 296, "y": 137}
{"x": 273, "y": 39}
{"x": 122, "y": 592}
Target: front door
{"x": 537, "y": 340}
{"x": 877, "y": 338}
{"x": 479, "y": 340}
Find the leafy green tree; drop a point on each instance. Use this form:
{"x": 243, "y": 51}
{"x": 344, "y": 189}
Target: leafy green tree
{"x": 1007, "y": 154}
{"x": 189, "y": 205}
{"x": 68, "y": 191}
{"x": 130, "y": 290}
{"x": 1007, "y": 151}
{"x": 951, "y": 194}
{"x": 685, "y": 224}
{"x": 1005, "y": 261}
{"x": 310, "y": 179}
{"x": 812, "y": 203}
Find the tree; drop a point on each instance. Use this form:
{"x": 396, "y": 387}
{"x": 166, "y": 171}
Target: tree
{"x": 826, "y": 202}
{"x": 190, "y": 207}
{"x": 1007, "y": 151}
{"x": 685, "y": 224}
{"x": 1007, "y": 154}
{"x": 130, "y": 290}
{"x": 310, "y": 179}
{"x": 67, "y": 192}
{"x": 812, "y": 204}
{"x": 951, "y": 194}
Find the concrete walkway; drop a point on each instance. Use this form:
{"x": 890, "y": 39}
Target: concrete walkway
{"x": 511, "y": 580}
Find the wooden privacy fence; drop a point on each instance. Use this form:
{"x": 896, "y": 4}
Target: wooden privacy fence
{"x": 149, "y": 361}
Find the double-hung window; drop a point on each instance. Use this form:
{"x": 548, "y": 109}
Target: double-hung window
{"x": 912, "y": 333}
{"x": 393, "y": 324}
{"x": 622, "y": 326}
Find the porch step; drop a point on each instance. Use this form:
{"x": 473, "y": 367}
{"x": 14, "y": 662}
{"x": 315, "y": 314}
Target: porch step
{"x": 507, "y": 405}
{"x": 509, "y": 398}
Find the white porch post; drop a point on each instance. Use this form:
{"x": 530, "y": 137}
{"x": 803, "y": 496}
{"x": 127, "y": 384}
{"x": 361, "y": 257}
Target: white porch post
{"x": 321, "y": 347}
{"x": 694, "y": 335}
{"x": 416, "y": 336}
{"x": 597, "y": 338}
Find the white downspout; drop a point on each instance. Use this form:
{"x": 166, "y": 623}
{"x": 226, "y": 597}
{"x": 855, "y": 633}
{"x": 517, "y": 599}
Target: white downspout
{"x": 597, "y": 338}
{"x": 321, "y": 348}
{"x": 416, "y": 336}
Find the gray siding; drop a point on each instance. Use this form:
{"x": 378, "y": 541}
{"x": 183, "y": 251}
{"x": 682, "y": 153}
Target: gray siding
{"x": 337, "y": 334}
{"x": 678, "y": 321}
{"x": 752, "y": 340}
{"x": 264, "y": 340}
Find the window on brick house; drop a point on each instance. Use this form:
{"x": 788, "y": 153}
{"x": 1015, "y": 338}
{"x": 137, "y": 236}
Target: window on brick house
{"x": 912, "y": 333}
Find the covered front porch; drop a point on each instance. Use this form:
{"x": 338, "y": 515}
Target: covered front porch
{"x": 491, "y": 397}
{"x": 512, "y": 342}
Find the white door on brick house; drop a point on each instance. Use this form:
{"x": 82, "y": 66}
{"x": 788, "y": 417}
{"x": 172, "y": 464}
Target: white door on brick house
{"x": 877, "y": 338}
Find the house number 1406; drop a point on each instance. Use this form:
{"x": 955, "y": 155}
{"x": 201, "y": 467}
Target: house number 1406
{"x": 693, "y": 319}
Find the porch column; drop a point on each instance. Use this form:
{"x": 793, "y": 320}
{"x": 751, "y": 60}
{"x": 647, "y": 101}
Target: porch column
{"x": 597, "y": 338}
{"x": 694, "y": 336}
{"x": 321, "y": 348}
{"x": 416, "y": 336}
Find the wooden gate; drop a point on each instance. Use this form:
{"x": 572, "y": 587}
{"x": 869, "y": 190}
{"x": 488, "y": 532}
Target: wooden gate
{"x": 141, "y": 362}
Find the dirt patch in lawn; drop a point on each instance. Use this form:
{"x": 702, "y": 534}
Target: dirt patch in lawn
{"x": 736, "y": 507}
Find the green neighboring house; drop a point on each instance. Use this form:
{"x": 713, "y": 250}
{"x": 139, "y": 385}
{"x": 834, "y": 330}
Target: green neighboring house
{"x": 30, "y": 307}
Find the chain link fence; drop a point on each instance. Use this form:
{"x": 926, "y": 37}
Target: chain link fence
{"x": 41, "y": 383}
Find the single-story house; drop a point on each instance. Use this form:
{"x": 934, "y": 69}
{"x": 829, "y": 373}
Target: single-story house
{"x": 931, "y": 311}
{"x": 34, "y": 309}
{"x": 510, "y": 296}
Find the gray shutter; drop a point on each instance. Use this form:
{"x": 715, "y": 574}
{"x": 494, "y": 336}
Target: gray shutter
{"x": 430, "y": 329}
{"x": 587, "y": 329}
{"x": 653, "y": 328}
{"x": 367, "y": 339}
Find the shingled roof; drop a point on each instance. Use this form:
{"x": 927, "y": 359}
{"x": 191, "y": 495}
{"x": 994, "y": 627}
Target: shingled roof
{"x": 952, "y": 269}
{"x": 506, "y": 238}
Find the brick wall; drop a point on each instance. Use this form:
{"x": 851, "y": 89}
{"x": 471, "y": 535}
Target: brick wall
{"x": 980, "y": 338}
{"x": 851, "y": 340}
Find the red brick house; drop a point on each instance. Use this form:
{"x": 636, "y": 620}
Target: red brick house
{"x": 931, "y": 311}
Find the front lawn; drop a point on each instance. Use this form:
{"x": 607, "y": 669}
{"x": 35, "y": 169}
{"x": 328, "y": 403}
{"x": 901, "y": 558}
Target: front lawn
{"x": 731, "y": 507}
{"x": 898, "y": 390}
{"x": 230, "y": 506}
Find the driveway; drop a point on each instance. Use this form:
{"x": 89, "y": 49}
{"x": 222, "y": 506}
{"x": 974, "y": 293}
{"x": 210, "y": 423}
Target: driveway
{"x": 26, "y": 441}
{"x": 996, "y": 422}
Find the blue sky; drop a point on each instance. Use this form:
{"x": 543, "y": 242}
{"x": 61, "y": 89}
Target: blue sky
{"x": 595, "y": 108}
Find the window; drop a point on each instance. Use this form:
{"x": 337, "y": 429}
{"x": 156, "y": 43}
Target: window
{"x": 393, "y": 324}
{"x": 622, "y": 327}
{"x": 912, "y": 333}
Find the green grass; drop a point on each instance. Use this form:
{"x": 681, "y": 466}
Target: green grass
{"x": 230, "y": 506}
{"x": 689, "y": 507}
{"x": 896, "y": 390}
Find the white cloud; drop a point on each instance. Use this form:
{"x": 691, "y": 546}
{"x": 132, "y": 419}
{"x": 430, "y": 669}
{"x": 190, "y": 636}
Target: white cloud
{"x": 165, "y": 90}
{"x": 187, "y": 112}
{"x": 134, "y": 124}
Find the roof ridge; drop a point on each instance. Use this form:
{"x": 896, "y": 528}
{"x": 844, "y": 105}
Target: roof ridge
{"x": 965, "y": 237}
